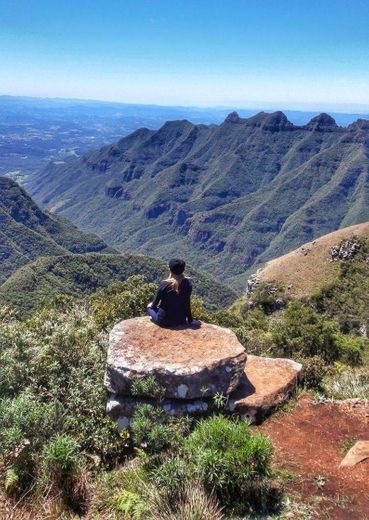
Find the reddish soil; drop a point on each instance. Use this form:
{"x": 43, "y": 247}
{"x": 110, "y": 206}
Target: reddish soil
{"x": 308, "y": 446}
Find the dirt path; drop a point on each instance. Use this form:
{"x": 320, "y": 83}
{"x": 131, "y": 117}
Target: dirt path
{"x": 309, "y": 442}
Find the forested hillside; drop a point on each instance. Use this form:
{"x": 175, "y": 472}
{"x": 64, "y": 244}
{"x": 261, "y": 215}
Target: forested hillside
{"x": 76, "y": 275}
{"x": 27, "y": 232}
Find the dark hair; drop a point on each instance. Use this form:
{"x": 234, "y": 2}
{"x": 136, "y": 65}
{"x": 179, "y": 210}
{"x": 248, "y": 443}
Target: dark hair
{"x": 177, "y": 266}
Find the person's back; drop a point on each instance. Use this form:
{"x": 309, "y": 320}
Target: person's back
{"x": 172, "y": 302}
{"x": 175, "y": 306}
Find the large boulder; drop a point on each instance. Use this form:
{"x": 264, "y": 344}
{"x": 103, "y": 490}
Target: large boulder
{"x": 188, "y": 363}
{"x": 266, "y": 383}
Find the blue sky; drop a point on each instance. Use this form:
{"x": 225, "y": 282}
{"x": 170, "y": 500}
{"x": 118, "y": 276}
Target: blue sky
{"x": 277, "y": 53}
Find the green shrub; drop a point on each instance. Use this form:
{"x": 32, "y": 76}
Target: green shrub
{"x": 256, "y": 341}
{"x": 61, "y": 462}
{"x": 305, "y": 333}
{"x": 26, "y": 418}
{"x": 130, "y": 504}
{"x": 131, "y": 478}
{"x": 121, "y": 301}
{"x": 256, "y": 319}
{"x": 51, "y": 372}
{"x": 227, "y": 319}
{"x": 11, "y": 481}
{"x": 148, "y": 386}
{"x": 156, "y": 430}
{"x": 194, "y": 504}
{"x": 171, "y": 477}
{"x": 231, "y": 461}
{"x": 265, "y": 297}
{"x": 198, "y": 310}
{"x": 314, "y": 370}
{"x": 347, "y": 384}
{"x": 352, "y": 349}
{"x": 346, "y": 299}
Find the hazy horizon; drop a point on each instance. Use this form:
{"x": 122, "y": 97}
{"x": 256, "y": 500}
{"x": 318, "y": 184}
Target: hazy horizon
{"x": 303, "y": 108}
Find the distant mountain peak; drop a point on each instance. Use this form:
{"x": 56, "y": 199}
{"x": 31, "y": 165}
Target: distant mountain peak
{"x": 277, "y": 121}
{"x": 233, "y": 117}
{"x": 322, "y": 122}
{"x": 231, "y": 195}
{"x": 273, "y": 122}
{"x": 359, "y": 124}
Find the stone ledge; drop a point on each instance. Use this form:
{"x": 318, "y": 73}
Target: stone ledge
{"x": 184, "y": 360}
{"x": 265, "y": 384}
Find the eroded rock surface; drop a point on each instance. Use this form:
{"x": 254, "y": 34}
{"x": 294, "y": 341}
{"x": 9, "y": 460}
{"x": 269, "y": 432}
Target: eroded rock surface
{"x": 121, "y": 408}
{"x": 266, "y": 383}
{"x": 189, "y": 363}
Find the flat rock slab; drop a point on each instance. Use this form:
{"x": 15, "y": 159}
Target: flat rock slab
{"x": 266, "y": 383}
{"x": 358, "y": 453}
{"x": 189, "y": 363}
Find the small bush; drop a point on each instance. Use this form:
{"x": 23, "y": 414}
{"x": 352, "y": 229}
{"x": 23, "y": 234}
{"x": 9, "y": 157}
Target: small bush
{"x": 232, "y": 462}
{"x": 156, "y": 430}
{"x": 256, "y": 341}
{"x": 305, "y": 333}
{"x": 148, "y": 386}
{"x": 171, "y": 476}
{"x": 314, "y": 370}
{"x": 130, "y": 504}
{"x": 61, "y": 460}
{"x": 131, "y": 478}
{"x": 268, "y": 297}
{"x": 195, "y": 504}
{"x": 352, "y": 349}
{"x": 227, "y": 319}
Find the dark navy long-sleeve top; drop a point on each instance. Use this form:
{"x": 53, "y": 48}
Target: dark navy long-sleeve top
{"x": 173, "y": 308}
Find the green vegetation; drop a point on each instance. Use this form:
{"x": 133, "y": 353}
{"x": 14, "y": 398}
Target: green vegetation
{"x": 58, "y": 446}
{"x": 347, "y": 384}
{"x": 27, "y": 232}
{"x": 35, "y": 284}
{"x": 346, "y": 299}
{"x": 57, "y": 443}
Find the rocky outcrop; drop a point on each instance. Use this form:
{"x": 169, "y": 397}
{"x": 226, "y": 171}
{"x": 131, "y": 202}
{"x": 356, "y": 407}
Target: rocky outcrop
{"x": 188, "y": 363}
{"x": 121, "y": 408}
{"x": 192, "y": 366}
{"x": 266, "y": 383}
{"x": 346, "y": 249}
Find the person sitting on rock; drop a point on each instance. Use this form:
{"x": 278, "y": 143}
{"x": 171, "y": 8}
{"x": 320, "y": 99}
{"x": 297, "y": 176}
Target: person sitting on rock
{"x": 171, "y": 305}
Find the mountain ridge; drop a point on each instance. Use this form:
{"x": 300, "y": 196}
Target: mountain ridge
{"x": 228, "y": 197}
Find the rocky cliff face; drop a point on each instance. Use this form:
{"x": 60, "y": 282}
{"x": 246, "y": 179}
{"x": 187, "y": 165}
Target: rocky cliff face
{"x": 226, "y": 196}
